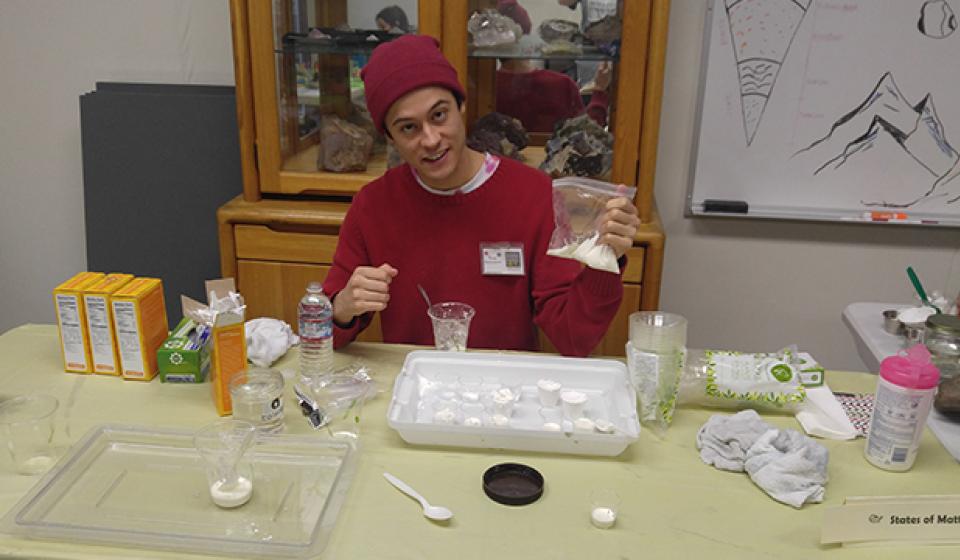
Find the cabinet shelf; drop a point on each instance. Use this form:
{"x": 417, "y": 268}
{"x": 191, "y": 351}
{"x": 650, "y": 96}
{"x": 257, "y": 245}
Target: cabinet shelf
{"x": 529, "y": 47}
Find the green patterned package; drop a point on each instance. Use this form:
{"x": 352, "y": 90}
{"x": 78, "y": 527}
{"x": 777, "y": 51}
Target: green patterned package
{"x": 729, "y": 379}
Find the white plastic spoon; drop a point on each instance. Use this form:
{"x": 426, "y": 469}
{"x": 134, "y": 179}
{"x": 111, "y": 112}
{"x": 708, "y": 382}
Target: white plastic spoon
{"x": 437, "y": 513}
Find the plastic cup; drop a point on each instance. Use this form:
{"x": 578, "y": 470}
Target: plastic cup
{"x": 552, "y": 419}
{"x": 257, "y": 396}
{"x": 574, "y": 404}
{"x": 604, "y": 507}
{"x": 26, "y": 424}
{"x": 221, "y": 445}
{"x": 451, "y": 325}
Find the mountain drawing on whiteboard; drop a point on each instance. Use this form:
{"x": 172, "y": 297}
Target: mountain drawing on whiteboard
{"x": 761, "y": 33}
{"x": 885, "y": 118}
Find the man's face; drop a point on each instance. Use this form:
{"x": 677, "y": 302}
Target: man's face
{"x": 427, "y": 130}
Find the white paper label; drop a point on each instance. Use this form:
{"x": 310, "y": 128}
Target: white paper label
{"x": 71, "y": 331}
{"x": 128, "y": 338}
{"x": 101, "y": 334}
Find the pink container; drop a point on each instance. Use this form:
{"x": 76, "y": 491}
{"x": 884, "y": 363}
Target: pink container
{"x": 905, "y": 391}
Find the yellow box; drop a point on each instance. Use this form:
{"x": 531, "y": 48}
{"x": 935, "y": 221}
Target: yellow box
{"x": 103, "y": 339}
{"x": 141, "y": 326}
{"x": 72, "y": 321}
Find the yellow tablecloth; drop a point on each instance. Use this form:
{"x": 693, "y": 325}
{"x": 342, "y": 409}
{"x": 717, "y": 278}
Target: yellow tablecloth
{"x": 673, "y": 505}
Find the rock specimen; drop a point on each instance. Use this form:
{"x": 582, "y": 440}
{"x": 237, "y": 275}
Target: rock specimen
{"x": 551, "y": 30}
{"x": 499, "y": 134}
{"x": 581, "y": 147}
{"x": 605, "y": 34}
{"x": 344, "y": 146}
{"x": 947, "y": 400}
{"x": 492, "y": 29}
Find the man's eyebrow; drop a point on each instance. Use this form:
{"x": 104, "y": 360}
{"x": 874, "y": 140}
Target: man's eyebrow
{"x": 434, "y": 106}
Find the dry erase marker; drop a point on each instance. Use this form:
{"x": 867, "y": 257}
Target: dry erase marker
{"x": 876, "y": 216}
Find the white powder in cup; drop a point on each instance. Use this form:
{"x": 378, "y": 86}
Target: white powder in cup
{"x": 915, "y": 315}
{"x": 603, "y": 517}
{"x": 231, "y": 495}
{"x": 604, "y": 426}
{"x": 445, "y": 416}
{"x": 584, "y": 423}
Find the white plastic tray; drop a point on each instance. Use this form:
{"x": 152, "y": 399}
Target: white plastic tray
{"x": 429, "y": 377}
{"x": 145, "y": 487}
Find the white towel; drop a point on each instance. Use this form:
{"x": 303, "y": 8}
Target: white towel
{"x": 267, "y": 340}
{"x": 788, "y": 466}
{"x": 823, "y": 416}
{"x": 724, "y": 440}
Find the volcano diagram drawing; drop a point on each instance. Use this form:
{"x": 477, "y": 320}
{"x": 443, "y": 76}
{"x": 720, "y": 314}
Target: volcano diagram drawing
{"x": 761, "y": 32}
{"x": 884, "y": 125}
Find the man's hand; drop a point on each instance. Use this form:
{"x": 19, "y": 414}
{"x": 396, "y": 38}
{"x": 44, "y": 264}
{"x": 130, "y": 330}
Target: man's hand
{"x": 368, "y": 289}
{"x": 619, "y": 225}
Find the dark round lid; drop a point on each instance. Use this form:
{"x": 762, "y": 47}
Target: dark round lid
{"x": 513, "y": 484}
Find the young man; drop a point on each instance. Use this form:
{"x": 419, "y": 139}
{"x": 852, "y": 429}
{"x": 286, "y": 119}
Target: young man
{"x": 447, "y": 219}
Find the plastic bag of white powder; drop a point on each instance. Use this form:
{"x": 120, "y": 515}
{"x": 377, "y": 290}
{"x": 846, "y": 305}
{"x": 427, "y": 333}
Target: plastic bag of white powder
{"x": 579, "y": 204}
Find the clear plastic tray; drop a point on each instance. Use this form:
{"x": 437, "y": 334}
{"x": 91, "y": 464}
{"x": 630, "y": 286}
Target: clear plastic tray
{"x": 144, "y": 487}
{"x": 432, "y": 380}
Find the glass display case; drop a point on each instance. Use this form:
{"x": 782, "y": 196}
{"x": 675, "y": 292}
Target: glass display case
{"x": 297, "y": 68}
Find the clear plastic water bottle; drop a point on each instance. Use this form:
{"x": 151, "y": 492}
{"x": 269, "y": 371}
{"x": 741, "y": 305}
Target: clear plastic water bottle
{"x": 315, "y": 316}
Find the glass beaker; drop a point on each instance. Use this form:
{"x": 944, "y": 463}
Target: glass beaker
{"x": 26, "y": 424}
{"x": 451, "y": 325}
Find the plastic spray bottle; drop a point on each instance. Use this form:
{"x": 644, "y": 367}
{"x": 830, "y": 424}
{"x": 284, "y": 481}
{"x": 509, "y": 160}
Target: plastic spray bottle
{"x": 905, "y": 391}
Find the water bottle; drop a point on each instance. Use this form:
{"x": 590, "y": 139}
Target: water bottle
{"x": 315, "y": 316}
{"x": 905, "y": 392}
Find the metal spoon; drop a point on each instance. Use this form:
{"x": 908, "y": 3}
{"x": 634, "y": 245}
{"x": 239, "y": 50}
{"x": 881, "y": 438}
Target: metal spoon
{"x": 437, "y": 513}
{"x": 423, "y": 293}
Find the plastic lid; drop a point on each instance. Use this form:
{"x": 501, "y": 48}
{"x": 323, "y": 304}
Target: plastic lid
{"x": 911, "y": 369}
{"x": 315, "y": 287}
{"x": 513, "y": 484}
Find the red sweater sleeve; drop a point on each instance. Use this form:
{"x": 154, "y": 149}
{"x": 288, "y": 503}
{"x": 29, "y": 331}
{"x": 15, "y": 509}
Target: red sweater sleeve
{"x": 598, "y": 107}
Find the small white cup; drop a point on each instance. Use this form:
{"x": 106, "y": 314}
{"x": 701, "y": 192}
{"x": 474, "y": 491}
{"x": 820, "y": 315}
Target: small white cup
{"x": 549, "y": 392}
{"x": 604, "y": 507}
{"x": 574, "y": 402}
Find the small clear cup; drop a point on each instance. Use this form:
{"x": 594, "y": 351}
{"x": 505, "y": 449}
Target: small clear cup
{"x": 257, "y": 397}
{"x": 451, "y": 325}
{"x": 604, "y": 507}
{"x": 221, "y": 445}
{"x": 26, "y": 424}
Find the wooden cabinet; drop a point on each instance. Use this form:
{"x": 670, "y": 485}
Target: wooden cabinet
{"x": 282, "y": 232}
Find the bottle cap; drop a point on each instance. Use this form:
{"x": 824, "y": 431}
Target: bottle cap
{"x": 911, "y": 368}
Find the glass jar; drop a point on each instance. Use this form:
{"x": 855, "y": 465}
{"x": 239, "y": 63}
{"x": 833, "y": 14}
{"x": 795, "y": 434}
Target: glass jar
{"x": 942, "y": 339}
{"x": 257, "y": 396}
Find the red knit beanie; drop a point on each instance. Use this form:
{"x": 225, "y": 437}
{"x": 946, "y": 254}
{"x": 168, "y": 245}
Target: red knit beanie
{"x": 404, "y": 64}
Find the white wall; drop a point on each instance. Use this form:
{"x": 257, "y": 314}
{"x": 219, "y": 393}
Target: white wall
{"x": 761, "y": 285}
{"x": 748, "y": 285}
{"x": 53, "y": 52}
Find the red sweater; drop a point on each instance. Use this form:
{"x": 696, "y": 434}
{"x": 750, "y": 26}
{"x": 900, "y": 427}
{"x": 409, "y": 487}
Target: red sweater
{"x": 542, "y": 97}
{"x": 434, "y": 240}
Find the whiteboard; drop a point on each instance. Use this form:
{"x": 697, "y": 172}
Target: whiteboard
{"x": 829, "y": 110}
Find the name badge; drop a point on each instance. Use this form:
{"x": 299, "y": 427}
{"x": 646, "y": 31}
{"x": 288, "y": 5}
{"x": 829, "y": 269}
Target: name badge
{"x": 502, "y": 259}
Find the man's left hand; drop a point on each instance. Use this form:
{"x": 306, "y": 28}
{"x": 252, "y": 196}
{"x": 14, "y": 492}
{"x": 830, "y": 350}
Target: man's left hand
{"x": 619, "y": 225}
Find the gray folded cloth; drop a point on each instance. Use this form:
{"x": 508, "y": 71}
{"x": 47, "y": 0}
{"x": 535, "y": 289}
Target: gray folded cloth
{"x": 789, "y": 466}
{"x": 724, "y": 440}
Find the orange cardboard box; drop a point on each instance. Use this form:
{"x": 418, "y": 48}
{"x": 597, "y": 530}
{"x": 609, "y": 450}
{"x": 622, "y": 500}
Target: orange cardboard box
{"x": 228, "y": 339}
{"x": 140, "y": 318}
{"x": 72, "y": 321}
{"x": 100, "y": 327}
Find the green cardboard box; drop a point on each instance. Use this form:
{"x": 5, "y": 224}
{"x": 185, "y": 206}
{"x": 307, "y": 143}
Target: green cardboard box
{"x": 185, "y": 356}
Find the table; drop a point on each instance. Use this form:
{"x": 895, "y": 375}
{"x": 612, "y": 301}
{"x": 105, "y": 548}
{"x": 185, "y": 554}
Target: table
{"x": 865, "y": 321}
{"x": 673, "y": 505}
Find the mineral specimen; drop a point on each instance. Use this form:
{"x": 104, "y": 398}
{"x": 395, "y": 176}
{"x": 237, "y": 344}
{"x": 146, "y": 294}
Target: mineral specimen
{"x": 343, "y": 146}
{"x": 558, "y": 30}
{"x": 492, "y": 29}
{"x": 581, "y": 147}
{"x": 499, "y": 134}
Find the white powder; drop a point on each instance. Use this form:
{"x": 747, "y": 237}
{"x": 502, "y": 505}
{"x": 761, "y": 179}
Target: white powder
{"x": 552, "y": 426}
{"x": 573, "y": 397}
{"x": 229, "y": 495}
{"x": 503, "y": 396}
{"x": 473, "y": 421}
{"x": 500, "y": 420}
{"x": 549, "y": 392}
{"x": 36, "y": 465}
{"x": 470, "y": 396}
{"x": 600, "y": 257}
{"x": 603, "y": 517}
{"x": 445, "y": 416}
{"x": 584, "y": 423}
{"x": 604, "y": 426}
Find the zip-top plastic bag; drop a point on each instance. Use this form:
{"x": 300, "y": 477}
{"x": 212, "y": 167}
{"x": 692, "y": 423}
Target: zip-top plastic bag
{"x": 579, "y": 204}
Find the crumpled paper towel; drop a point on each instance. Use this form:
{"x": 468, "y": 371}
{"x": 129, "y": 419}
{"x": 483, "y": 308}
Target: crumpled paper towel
{"x": 790, "y": 467}
{"x": 823, "y": 416}
{"x": 267, "y": 340}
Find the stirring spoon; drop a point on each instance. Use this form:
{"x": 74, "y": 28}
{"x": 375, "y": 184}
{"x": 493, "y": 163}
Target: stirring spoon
{"x": 423, "y": 293}
{"x": 919, "y": 288}
{"x": 437, "y": 513}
